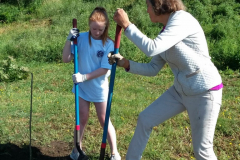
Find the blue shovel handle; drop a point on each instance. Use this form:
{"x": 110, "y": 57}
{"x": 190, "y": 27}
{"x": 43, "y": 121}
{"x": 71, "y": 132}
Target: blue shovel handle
{"x": 110, "y": 93}
{"x": 82, "y": 155}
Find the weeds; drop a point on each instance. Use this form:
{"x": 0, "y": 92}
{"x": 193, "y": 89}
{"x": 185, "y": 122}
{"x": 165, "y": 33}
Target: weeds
{"x": 47, "y": 26}
{"x": 10, "y": 71}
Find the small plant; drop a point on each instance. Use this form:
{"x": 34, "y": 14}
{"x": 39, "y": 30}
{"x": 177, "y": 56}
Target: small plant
{"x": 10, "y": 71}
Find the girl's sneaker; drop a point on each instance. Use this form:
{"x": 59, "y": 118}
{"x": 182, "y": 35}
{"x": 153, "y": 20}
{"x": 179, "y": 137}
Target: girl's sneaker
{"x": 74, "y": 156}
{"x": 77, "y": 156}
{"x": 115, "y": 156}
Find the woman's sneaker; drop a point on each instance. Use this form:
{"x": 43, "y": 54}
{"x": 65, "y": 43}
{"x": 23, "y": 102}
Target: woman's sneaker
{"x": 115, "y": 156}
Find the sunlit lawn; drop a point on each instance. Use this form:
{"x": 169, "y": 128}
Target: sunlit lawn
{"x": 53, "y": 113}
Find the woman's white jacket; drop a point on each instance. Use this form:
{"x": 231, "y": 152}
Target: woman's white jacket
{"x": 183, "y": 46}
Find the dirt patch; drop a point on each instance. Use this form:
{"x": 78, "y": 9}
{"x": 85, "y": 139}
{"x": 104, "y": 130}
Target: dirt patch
{"x": 55, "y": 151}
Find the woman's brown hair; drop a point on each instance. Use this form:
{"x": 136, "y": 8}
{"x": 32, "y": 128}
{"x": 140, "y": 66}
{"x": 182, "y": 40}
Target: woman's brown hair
{"x": 99, "y": 14}
{"x": 166, "y": 6}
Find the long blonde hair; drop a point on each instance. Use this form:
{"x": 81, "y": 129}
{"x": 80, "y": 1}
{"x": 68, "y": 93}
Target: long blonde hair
{"x": 99, "y": 14}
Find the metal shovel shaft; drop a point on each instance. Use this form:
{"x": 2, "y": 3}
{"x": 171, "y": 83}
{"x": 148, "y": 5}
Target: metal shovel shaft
{"x": 110, "y": 93}
{"x": 77, "y": 118}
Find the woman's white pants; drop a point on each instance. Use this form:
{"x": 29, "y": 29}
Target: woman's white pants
{"x": 202, "y": 109}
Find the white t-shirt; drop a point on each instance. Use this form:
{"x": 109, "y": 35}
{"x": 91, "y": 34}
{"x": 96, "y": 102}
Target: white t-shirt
{"x": 91, "y": 58}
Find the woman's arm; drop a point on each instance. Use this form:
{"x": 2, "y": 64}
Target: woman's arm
{"x": 180, "y": 25}
{"x": 147, "y": 69}
{"x": 67, "y": 55}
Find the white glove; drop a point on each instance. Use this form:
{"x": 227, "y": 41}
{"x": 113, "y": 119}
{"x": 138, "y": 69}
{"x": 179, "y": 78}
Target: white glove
{"x": 73, "y": 33}
{"x": 77, "y": 78}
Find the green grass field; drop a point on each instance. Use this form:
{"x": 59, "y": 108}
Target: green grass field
{"x": 53, "y": 113}
{"x": 36, "y": 39}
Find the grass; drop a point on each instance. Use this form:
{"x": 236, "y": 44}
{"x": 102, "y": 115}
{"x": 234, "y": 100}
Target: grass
{"x": 36, "y": 41}
{"x": 53, "y": 113}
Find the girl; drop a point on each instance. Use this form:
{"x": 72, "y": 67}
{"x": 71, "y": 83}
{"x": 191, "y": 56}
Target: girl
{"x": 93, "y": 48}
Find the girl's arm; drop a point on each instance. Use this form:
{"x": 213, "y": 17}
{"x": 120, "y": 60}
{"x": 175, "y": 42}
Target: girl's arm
{"x": 97, "y": 73}
{"x": 67, "y": 55}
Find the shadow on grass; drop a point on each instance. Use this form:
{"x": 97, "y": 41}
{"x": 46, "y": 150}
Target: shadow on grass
{"x": 11, "y": 151}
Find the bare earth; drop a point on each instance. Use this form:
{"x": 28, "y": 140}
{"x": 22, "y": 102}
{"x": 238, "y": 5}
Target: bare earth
{"x": 54, "y": 151}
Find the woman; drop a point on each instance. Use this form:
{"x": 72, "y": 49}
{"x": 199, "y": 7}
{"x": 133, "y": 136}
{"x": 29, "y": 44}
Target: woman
{"x": 197, "y": 84}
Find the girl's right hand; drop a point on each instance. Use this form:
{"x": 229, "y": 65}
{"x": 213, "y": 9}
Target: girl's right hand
{"x": 77, "y": 78}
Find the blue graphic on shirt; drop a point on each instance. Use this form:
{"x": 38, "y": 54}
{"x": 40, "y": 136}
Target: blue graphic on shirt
{"x": 100, "y": 54}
